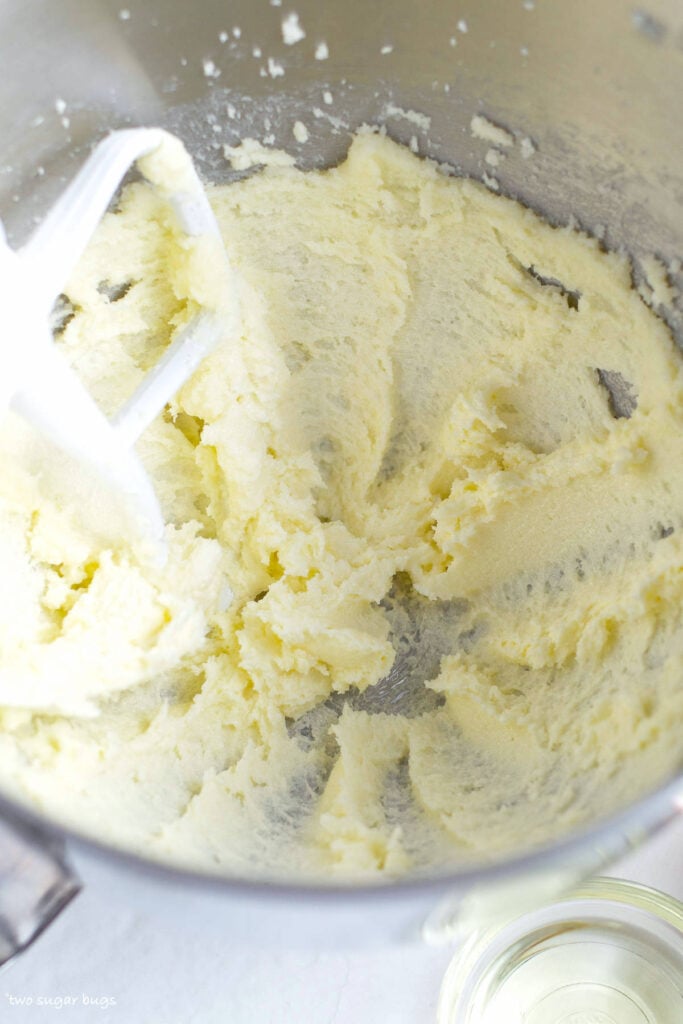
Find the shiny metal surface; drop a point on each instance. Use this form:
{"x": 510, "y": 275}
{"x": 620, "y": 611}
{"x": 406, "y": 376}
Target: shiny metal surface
{"x": 36, "y": 883}
{"x": 598, "y": 89}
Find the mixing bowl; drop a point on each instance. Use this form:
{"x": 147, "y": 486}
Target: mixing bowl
{"x": 596, "y": 88}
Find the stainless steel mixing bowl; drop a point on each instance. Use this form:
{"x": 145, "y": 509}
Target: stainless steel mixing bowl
{"x": 597, "y": 87}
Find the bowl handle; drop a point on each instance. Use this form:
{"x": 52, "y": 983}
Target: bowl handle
{"x": 36, "y": 883}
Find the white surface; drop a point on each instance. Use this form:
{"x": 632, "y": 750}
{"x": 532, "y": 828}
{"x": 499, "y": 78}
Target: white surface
{"x": 154, "y": 975}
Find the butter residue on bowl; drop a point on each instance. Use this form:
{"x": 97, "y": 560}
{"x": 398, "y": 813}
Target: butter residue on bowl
{"x": 432, "y": 387}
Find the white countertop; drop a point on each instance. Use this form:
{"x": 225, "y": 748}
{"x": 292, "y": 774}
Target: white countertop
{"x": 149, "y": 974}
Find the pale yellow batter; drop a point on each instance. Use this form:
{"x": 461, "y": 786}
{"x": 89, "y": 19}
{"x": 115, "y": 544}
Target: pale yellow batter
{"x": 435, "y": 396}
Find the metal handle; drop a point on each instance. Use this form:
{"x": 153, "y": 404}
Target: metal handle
{"x": 36, "y": 883}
